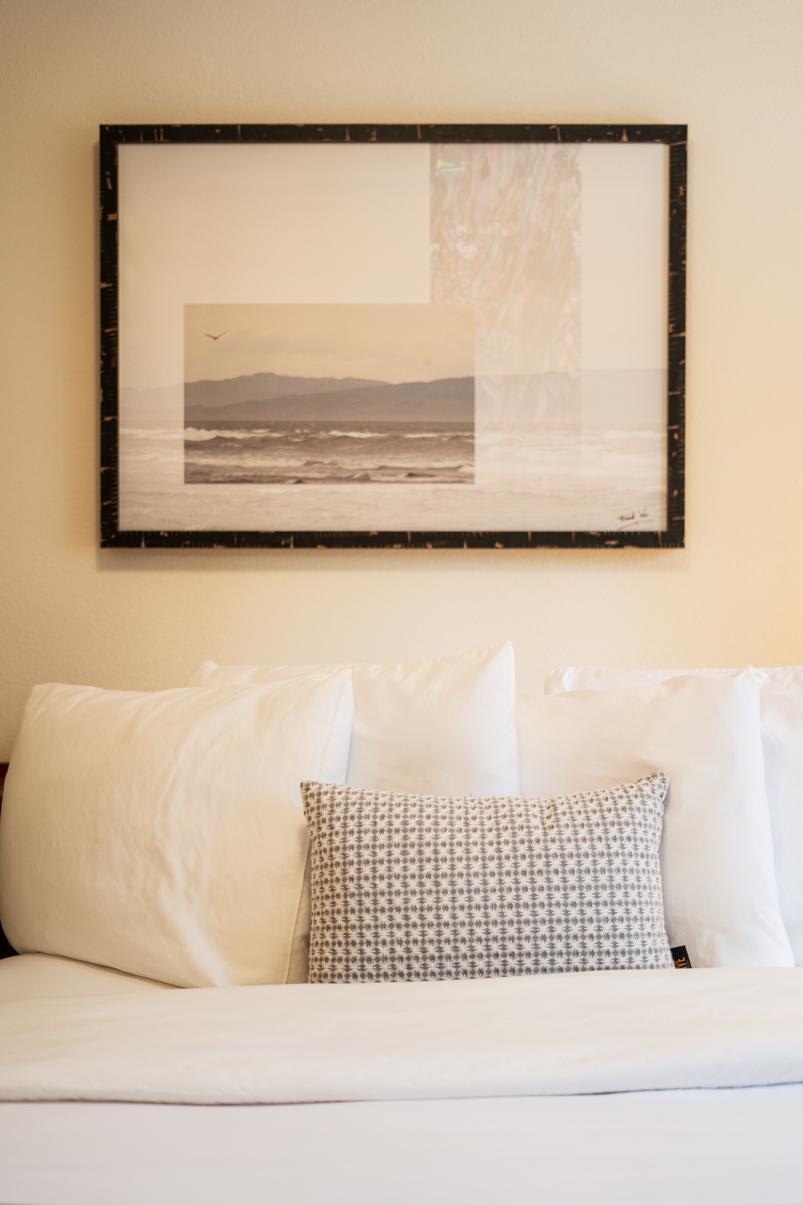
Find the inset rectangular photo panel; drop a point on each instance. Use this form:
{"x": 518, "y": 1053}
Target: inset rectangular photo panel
{"x": 405, "y": 336}
{"x": 350, "y": 397}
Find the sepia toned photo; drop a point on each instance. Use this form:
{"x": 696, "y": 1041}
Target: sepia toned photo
{"x": 353, "y": 337}
{"x": 329, "y": 394}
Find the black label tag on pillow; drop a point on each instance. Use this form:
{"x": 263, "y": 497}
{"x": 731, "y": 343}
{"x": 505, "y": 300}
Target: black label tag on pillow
{"x": 680, "y": 957}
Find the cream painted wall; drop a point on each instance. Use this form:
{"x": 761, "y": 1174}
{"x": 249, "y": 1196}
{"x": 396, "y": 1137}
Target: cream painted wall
{"x": 730, "y": 68}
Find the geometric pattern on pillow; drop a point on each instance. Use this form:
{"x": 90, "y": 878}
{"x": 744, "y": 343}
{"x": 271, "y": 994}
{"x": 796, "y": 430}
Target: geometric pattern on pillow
{"x": 411, "y": 887}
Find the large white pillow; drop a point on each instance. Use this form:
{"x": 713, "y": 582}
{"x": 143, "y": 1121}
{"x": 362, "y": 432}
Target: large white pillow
{"x": 782, "y": 733}
{"x": 163, "y": 834}
{"x": 443, "y": 727}
{"x": 720, "y": 894}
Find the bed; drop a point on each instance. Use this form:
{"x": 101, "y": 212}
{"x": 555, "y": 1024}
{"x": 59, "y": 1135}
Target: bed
{"x": 566, "y": 1088}
{"x": 563, "y": 1088}
{"x": 599, "y": 1085}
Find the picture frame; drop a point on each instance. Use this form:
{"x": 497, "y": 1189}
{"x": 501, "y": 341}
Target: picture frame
{"x": 392, "y": 336}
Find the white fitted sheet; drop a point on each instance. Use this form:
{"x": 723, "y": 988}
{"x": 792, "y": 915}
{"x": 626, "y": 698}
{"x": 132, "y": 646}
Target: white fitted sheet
{"x": 729, "y": 1147}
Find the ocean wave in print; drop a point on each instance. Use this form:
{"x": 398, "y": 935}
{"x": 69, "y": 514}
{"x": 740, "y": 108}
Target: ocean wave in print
{"x": 324, "y": 453}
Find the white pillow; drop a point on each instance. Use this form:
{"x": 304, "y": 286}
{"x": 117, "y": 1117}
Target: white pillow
{"x": 782, "y": 733}
{"x": 720, "y": 895}
{"x": 163, "y": 834}
{"x": 443, "y": 727}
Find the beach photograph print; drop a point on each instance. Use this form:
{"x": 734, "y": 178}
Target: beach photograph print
{"x": 365, "y": 341}
{"x": 310, "y": 395}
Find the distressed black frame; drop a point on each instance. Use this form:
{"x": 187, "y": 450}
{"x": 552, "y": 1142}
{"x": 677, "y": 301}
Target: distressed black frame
{"x": 111, "y": 136}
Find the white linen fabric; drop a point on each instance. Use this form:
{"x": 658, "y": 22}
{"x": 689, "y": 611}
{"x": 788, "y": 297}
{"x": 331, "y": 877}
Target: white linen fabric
{"x": 782, "y": 735}
{"x": 46, "y": 976}
{"x": 740, "y": 1147}
{"x": 442, "y": 727}
{"x": 720, "y": 894}
{"x": 605, "y": 1031}
{"x": 162, "y": 834}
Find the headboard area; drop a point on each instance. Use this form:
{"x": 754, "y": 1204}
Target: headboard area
{"x": 5, "y": 948}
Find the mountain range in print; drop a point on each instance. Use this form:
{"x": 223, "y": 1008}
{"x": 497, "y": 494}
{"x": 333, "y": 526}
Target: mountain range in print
{"x": 341, "y": 394}
{"x": 274, "y": 429}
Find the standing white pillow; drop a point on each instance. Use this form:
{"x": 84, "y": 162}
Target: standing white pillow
{"x": 442, "y": 727}
{"x": 782, "y": 736}
{"x": 163, "y": 834}
{"x": 720, "y": 895}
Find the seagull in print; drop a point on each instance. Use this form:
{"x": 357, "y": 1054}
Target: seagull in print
{"x": 215, "y": 337}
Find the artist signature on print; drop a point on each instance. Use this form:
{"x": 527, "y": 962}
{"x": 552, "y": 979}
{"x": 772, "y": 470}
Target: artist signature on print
{"x": 633, "y": 518}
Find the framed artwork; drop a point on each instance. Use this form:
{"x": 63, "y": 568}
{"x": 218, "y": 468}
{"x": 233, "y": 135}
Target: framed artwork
{"x": 392, "y": 336}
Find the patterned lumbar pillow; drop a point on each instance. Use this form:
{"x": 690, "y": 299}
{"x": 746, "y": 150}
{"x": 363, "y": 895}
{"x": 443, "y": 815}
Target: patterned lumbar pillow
{"x": 432, "y": 887}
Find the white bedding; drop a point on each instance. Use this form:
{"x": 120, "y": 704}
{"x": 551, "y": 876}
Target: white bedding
{"x": 41, "y": 976}
{"x": 612, "y": 1031}
{"x": 574, "y": 1088}
{"x": 738, "y": 1147}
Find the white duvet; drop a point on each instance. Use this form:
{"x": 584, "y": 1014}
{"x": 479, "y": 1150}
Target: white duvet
{"x": 542, "y": 1036}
